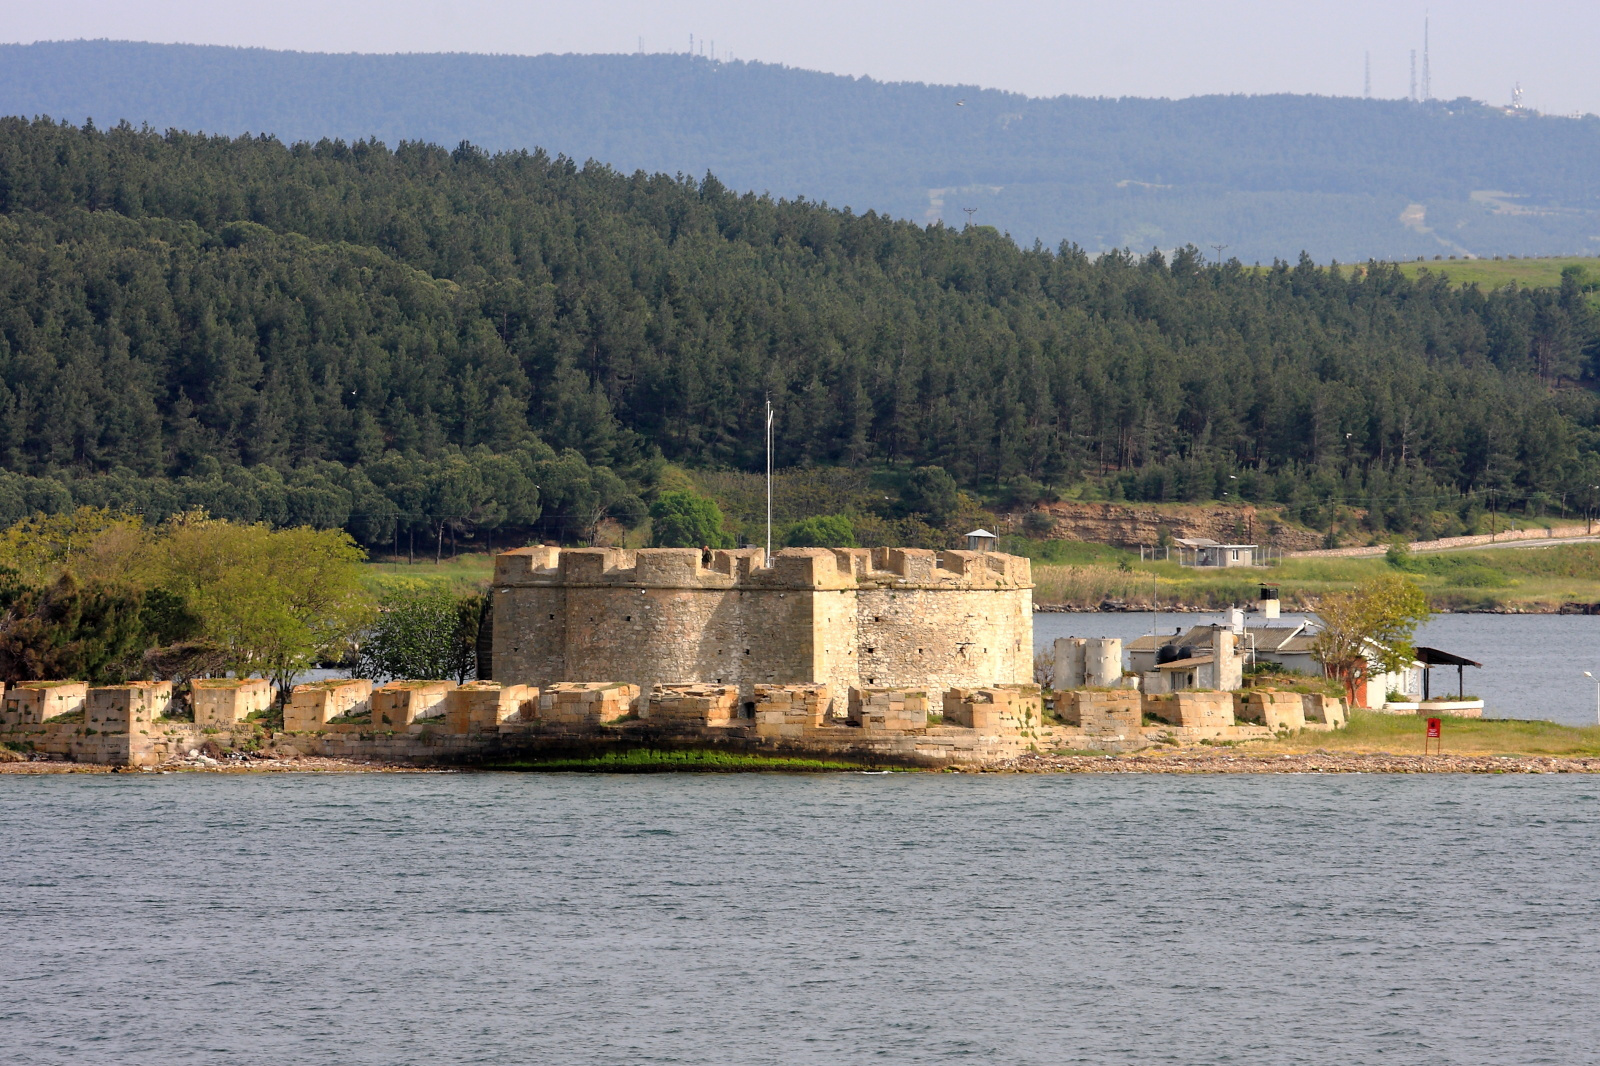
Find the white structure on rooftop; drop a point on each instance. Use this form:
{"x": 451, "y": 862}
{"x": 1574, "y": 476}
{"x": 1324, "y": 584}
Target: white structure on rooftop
{"x": 981, "y": 540}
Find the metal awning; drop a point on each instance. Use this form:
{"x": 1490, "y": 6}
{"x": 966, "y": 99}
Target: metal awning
{"x": 1435, "y": 657}
{"x": 1431, "y": 657}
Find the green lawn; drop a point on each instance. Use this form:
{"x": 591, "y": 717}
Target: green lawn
{"x": 1399, "y": 734}
{"x": 465, "y": 572}
{"x": 1497, "y": 273}
{"x": 1534, "y": 577}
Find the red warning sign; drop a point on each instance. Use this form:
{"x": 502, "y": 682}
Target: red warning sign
{"x": 1433, "y": 738}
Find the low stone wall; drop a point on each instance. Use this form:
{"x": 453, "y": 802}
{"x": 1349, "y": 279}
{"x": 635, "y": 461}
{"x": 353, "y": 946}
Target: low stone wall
{"x": 1193, "y": 710}
{"x": 1116, "y": 714}
{"x": 432, "y": 723}
{"x": 399, "y": 703}
{"x": 888, "y": 710}
{"x": 1275, "y": 710}
{"x": 788, "y": 711}
{"x": 690, "y": 706}
{"x": 587, "y": 703}
{"x": 223, "y": 702}
{"x": 483, "y": 706}
{"x": 314, "y": 705}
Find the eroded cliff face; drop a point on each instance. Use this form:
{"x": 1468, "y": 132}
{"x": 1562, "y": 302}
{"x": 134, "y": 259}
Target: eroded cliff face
{"x": 1129, "y": 525}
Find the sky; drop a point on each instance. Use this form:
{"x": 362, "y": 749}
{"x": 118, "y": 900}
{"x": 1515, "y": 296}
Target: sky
{"x": 1171, "y": 48}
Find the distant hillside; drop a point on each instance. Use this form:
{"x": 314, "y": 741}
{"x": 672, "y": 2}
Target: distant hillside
{"x": 1265, "y": 176}
{"x": 416, "y": 341}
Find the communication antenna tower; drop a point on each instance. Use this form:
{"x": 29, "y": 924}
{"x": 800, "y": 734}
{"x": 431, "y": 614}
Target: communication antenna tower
{"x": 1366, "y": 85}
{"x": 1413, "y": 75}
{"x": 1427, "y": 75}
{"x": 691, "y": 45}
{"x": 970, "y": 212}
{"x": 1516, "y": 97}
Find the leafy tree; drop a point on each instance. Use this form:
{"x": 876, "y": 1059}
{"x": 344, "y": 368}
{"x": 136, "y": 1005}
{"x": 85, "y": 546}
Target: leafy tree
{"x": 94, "y": 633}
{"x": 683, "y": 519}
{"x": 277, "y": 601}
{"x": 92, "y": 542}
{"x": 931, "y": 491}
{"x": 1370, "y": 626}
{"x": 420, "y": 635}
{"x": 822, "y": 531}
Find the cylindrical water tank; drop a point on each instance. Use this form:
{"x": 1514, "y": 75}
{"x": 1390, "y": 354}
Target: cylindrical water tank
{"x": 1069, "y": 666}
{"x": 1102, "y": 661}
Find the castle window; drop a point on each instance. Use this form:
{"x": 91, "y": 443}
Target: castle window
{"x": 627, "y": 618}
{"x": 747, "y": 651}
{"x": 872, "y": 651}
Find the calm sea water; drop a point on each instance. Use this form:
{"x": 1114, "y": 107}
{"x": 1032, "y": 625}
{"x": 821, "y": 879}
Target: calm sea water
{"x": 1532, "y": 664}
{"x": 518, "y": 919}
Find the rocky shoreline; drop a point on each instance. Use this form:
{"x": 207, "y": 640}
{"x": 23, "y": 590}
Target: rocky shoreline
{"x": 1317, "y": 762}
{"x": 1118, "y": 607}
{"x": 1183, "y": 761}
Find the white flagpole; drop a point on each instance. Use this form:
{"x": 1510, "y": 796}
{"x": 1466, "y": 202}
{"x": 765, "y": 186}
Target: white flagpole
{"x": 769, "y": 483}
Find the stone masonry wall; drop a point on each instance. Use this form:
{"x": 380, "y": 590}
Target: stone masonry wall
{"x": 844, "y": 618}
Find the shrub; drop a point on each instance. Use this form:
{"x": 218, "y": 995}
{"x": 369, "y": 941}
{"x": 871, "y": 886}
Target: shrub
{"x": 822, "y": 531}
{"x": 684, "y": 519}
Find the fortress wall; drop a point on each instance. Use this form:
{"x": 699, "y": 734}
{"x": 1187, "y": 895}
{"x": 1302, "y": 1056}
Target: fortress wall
{"x": 530, "y": 631}
{"x": 674, "y": 636}
{"x": 682, "y": 616}
{"x": 944, "y": 638}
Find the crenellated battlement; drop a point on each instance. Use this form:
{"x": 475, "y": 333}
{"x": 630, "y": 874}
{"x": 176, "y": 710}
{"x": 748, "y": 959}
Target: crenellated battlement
{"x": 745, "y": 568}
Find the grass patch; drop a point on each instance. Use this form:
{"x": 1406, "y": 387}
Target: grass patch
{"x": 1403, "y": 734}
{"x": 465, "y": 573}
{"x": 1532, "y": 577}
{"x": 1487, "y": 274}
{"x": 687, "y": 760}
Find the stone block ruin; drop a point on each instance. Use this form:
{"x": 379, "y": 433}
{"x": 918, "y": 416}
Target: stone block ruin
{"x": 224, "y": 702}
{"x": 397, "y": 704}
{"x": 887, "y": 710}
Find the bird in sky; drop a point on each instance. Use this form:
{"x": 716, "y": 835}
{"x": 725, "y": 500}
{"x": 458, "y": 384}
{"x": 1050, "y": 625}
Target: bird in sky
{"x": 961, "y": 103}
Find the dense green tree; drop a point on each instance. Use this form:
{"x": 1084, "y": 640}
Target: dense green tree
{"x": 419, "y": 635}
{"x": 822, "y": 531}
{"x": 933, "y": 492}
{"x": 682, "y": 519}
{"x": 95, "y": 633}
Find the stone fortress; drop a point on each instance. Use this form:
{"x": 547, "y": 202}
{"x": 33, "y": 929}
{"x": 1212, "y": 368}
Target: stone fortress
{"x": 845, "y": 618}
{"x": 885, "y": 655}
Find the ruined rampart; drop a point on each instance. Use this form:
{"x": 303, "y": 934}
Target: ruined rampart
{"x": 435, "y": 722}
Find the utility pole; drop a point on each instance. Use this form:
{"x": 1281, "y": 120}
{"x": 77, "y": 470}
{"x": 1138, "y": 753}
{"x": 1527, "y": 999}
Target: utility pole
{"x": 970, "y": 212}
{"x": 769, "y": 481}
{"x": 1219, "y": 248}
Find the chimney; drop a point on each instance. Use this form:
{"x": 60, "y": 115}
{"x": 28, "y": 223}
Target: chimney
{"x": 1268, "y": 603}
